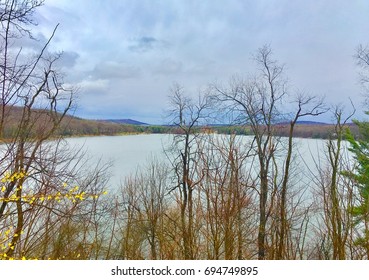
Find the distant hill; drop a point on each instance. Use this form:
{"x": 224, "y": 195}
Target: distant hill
{"x": 280, "y": 123}
{"x": 125, "y": 121}
{"x": 311, "y": 123}
{"x": 305, "y": 123}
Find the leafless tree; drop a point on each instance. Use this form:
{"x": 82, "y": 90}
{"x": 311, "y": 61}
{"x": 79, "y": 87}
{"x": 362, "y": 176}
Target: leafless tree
{"x": 227, "y": 198}
{"x": 186, "y": 116}
{"x": 362, "y": 59}
{"x": 306, "y": 106}
{"x": 35, "y": 171}
{"x": 256, "y": 103}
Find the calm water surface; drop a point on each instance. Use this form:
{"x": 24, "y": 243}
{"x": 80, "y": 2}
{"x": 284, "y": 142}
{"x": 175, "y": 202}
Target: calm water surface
{"x": 127, "y": 153}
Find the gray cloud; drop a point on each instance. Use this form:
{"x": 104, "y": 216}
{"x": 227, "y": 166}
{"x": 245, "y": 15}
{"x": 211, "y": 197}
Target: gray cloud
{"x": 68, "y": 59}
{"x": 168, "y": 67}
{"x": 115, "y": 70}
{"x": 34, "y": 44}
{"x": 145, "y": 44}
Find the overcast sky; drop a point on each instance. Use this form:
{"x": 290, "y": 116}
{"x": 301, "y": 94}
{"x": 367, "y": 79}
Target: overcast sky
{"x": 125, "y": 55}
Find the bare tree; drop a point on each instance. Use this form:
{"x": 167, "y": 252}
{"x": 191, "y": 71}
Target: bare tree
{"x": 228, "y": 202}
{"x": 36, "y": 173}
{"x": 256, "y": 105}
{"x": 306, "y": 106}
{"x": 154, "y": 205}
{"x": 362, "y": 59}
{"x": 186, "y": 115}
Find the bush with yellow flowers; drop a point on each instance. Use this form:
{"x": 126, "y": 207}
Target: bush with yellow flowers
{"x": 10, "y": 230}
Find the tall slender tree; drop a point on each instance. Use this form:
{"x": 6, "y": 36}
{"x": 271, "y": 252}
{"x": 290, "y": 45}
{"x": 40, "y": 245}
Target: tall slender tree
{"x": 186, "y": 116}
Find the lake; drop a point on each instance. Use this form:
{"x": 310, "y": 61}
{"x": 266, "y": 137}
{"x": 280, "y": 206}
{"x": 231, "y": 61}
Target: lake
{"x": 127, "y": 153}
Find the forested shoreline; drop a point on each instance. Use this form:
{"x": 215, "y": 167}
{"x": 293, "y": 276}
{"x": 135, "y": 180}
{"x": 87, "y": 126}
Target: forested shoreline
{"x": 75, "y": 127}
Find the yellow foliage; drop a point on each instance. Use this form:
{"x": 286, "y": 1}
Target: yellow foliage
{"x": 72, "y": 195}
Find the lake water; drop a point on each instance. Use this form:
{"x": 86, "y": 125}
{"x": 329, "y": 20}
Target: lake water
{"x": 127, "y": 153}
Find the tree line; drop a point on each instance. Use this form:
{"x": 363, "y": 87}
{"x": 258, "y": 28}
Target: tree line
{"x": 218, "y": 196}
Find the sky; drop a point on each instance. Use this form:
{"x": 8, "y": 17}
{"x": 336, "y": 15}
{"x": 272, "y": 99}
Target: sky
{"x": 125, "y": 55}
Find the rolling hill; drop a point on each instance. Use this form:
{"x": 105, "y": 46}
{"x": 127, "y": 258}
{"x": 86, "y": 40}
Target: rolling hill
{"x": 124, "y": 121}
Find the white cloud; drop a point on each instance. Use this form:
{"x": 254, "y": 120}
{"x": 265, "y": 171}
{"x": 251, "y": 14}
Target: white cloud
{"x": 94, "y": 86}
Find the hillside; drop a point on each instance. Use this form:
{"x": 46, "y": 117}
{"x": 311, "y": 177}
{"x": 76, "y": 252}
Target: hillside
{"x": 73, "y": 126}
{"x": 70, "y": 126}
